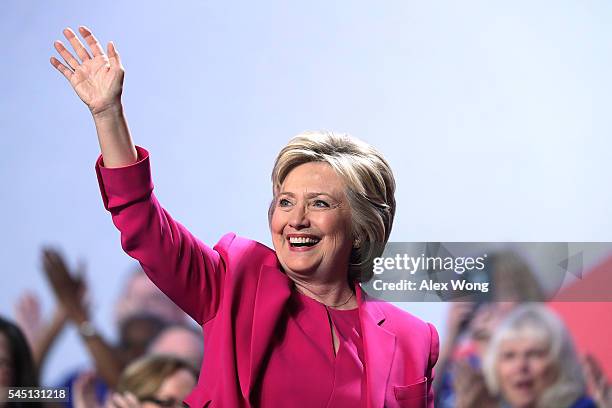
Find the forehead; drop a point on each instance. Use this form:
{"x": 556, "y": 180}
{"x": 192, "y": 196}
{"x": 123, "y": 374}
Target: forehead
{"x": 313, "y": 176}
{"x": 180, "y": 382}
{"x": 525, "y": 341}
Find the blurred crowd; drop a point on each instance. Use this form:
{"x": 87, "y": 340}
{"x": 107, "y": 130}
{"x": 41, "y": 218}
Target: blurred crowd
{"x": 510, "y": 350}
{"x": 154, "y": 363}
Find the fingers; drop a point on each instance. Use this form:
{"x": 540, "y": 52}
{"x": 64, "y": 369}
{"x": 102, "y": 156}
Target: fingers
{"x": 65, "y": 71}
{"x": 594, "y": 373}
{"x": 76, "y": 44}
{"x": 126, "y": 400}
{"x": 84, "y": 392}
{"x": 90, "y": 39}
{"x": 54, "y": 260}
{"x": 66, "y": 55}
{"x": 28, "y": 307}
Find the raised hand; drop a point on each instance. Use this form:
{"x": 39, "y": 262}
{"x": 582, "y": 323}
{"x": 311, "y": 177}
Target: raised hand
{"x": 84, "y": 391}
{"x": 470, "y": 387}
{"x": 97, "y": 78}
{"x": 126, "y": 400}
{"x": 69, "y": 289}
{"x": 600, "y": 388}
{"x": 28, "y": 317}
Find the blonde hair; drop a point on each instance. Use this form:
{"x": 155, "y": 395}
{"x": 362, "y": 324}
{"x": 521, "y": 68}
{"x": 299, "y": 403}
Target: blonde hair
{"x": 370, "y": 189}
{"x": 536, "y": 321}
{"x": 144, "y": 377}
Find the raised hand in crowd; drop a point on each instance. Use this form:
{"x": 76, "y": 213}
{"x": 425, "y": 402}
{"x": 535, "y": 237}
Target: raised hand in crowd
{"x": 599, "y": 386}
{"x": 69, "y": 289}
{"x": 126, "y": 400}
{"x": 458, "y": 317}
{"x": 84, "y": 395}
{"x": 28, "y": 316}
{"x": 84, "y": 391}
{"x": 470, "y": 387}
{"x": 40, "y": 333}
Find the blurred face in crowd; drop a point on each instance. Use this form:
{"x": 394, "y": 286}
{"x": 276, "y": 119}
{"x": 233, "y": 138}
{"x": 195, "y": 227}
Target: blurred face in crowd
{"x": 524, "y": 370}
{"x": 311, "y": 222}
{"x": 142, "y": 296}
{"x": 136, "y": 334}
{"x": 173, "y": 390}
{"x": 486, "y": 319}
{"x": 6, "y": 373}
{"x": 181, "y": 342}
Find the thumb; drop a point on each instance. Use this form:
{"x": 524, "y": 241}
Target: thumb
{"x": 113, "y": 56}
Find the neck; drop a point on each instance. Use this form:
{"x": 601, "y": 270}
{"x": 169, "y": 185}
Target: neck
{"x": 339, "y": 295}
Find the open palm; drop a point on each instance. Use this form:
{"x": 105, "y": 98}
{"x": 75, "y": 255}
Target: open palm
{"x": 97, "y": 78}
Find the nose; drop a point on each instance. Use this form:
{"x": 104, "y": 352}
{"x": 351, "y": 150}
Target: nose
{"x": 523, "y": 364}
{"x": 299, "y": 218}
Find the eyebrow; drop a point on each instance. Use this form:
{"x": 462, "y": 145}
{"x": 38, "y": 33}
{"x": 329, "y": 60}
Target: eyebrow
{"x": 309, "y": 195}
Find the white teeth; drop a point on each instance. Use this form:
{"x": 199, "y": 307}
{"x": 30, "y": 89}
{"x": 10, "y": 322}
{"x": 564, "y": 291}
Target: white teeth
{"x": 303, "y": 240}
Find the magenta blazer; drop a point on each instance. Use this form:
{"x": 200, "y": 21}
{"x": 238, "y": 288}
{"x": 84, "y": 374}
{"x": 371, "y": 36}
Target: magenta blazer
{"x": 236, "y": 291}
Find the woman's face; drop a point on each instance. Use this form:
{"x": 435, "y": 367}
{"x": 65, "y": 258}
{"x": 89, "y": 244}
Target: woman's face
{"x": 524, "y": 371}
{"x": 6, "y": 373}
{"x": 174, "y": 389}
{"x": 311, "y": 223}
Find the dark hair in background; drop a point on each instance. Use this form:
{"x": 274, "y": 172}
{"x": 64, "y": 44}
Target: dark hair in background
{"x": 23, "y": 370}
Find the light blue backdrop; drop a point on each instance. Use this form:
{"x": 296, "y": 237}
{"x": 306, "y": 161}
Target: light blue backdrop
{"x": 494, "y": 115}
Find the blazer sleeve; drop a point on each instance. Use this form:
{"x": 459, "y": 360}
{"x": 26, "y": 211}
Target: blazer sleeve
{"x": 434, "y": 351}
{"x": 187, "y": 271}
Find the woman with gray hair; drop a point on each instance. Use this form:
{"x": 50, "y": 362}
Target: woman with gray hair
{"x": 531, "y": 362}
{"x": 283, "y": 327}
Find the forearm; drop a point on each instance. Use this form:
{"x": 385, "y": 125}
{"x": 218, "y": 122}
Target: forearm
{"x": 108, "y": 364}
{"x": 116, "y": 144}
{"x": 46, "y": 341}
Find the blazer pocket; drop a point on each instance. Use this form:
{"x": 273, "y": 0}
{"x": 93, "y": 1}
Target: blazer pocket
{"x": 412, "y": 391}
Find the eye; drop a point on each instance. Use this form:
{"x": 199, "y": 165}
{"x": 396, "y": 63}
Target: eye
{"x": 321, "y": 204}
{"x": 283, "y": 202}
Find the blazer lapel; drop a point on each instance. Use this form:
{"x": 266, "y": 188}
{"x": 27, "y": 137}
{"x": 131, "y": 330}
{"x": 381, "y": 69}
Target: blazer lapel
{"x": 379, "y": 347}
{"x": 273, "y": 291}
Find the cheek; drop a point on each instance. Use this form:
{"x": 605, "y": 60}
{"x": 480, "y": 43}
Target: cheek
{"x": 338, "y": 226}
{"x": 504, "y": 373}
{"x": 5, "y": 377}
{"x": 544, "y": 371}
{"x": 277, "y": 222}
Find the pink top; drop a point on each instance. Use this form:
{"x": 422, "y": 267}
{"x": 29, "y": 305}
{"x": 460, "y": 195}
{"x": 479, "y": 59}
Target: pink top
{"x": 290, "y": 375}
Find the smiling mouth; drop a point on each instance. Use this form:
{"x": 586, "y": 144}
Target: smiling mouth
{"x": 524, "y": 385}
{"x": 301, "y": 242}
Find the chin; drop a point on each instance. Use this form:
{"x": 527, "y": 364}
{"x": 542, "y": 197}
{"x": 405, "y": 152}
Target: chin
{"x": 301, "y": 268}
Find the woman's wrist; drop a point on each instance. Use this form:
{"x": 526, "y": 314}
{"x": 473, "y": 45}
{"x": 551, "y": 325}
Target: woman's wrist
{"x": 112, "y": 110}
{"x": 116, "y": 144}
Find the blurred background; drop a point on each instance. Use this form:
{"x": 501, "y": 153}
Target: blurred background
{"x": 493, "y": 115}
